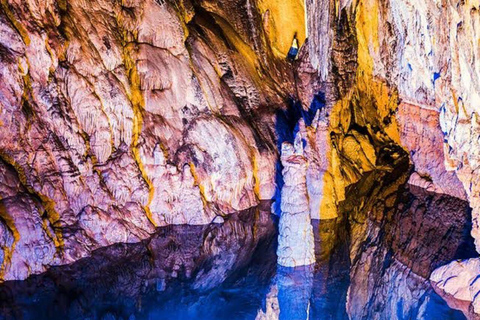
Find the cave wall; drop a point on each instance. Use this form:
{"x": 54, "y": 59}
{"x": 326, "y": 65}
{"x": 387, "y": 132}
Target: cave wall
{"x": 118, "y": 117}
{"x": 403, "y": 118}
{"x": 398, "y": 77}
{"x": 121, "y": 116}
{"x": 427, "y": 54}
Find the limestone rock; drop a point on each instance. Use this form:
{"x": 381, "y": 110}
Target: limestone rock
{"x": 218, "y": 220}
{"x": 122, "y": 274}
{"x": 457, "y": 283}
{"x": 421, "y": 134}
{"x": 30, "y": 247}
{"x": 119, "y": 117}
{"x": 295, "y": 240}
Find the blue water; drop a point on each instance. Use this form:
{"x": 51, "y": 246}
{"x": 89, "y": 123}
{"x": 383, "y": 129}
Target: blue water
{"x": 224, "y": 271}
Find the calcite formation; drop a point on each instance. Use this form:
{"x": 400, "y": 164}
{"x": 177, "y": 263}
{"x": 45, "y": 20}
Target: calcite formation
{"x": 121, "y": 116}
{"x": 457, "y": 283}
{"x": 118, "y": 117}
{"x": 295, "y": 240}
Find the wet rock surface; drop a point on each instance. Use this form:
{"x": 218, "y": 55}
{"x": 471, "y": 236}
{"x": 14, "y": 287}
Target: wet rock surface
{"x": 178, "y": 265}
{"x": 121, "y": 116}
{"x": 415, "y": 65}
{"x": 401, "y": 249}
{"x": 230, "y": 271}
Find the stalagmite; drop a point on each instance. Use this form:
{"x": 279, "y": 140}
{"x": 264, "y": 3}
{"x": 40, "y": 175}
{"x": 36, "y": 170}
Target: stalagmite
{"x": 295, "y": 240}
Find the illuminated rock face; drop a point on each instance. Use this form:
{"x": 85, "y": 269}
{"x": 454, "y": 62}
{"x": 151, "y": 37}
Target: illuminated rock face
{"x": 440, "y": 73}
{"x": 282, "y": 20}
{"x": 295, "y": 240}
{"x": 403, "y": 88}
{"x": 120, "y": 117}
{"x": 427, "y": 56}
{"x": 457, "y": 283}
{"x": 117, "y": 117}
{"x": 421, "y": 134}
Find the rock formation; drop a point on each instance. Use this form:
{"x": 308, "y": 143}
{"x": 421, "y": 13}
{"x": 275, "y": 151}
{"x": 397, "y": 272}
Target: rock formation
{"x": 457, "y": 283}
{"x": 295, "y": 239}
{"x": 119, "y": 117}
{"x": 118, "y": 281}
{"x": 416, "y": 65}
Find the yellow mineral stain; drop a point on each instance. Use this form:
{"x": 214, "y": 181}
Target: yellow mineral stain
{"x": 27, "y": 88}
{"x": 333, "y": 187}
{"x": 367, "y": 34}
{"x": 61, "y": 49}
{"x": 138, "y": 105}
{"x": 282, "y": 19}
{"x": 53, "y": 216}
{"x": 247, "y": 53}
{"x": 184, "y": 16}
{"x": 256, "y": 177}
{"x": 62, "y": 4}
{"x": 381, "y": 103}
{"x": 372, "y": 102}
{"x": 350, "y": 156}
{"x": 197, "y": 182}
{"x": 46, "y": 229}
{"x": 52, "y": 55}
{"x": 48, "y": 204}
{"x": 135, "y": 95}
{"x": 457, "y": 105}
{"x": 18, "y": 26}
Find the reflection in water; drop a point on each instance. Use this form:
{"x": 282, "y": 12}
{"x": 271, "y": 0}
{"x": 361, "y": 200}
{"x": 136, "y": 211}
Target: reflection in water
{"x": 399, "y": 248}
{"x": 182, "y": 272}
{"x": 229, "y": 271}
{"x": 294, "y": 291}
{"x": 290, "y": 294}
{"x": 317, "y": 291}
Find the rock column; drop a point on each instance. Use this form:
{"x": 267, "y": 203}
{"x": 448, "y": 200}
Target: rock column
{"x": 295, "y": 241}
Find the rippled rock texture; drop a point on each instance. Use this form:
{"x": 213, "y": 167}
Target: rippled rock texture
{"x": 119, "y": 117}
{"x": 295, "y": 241}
